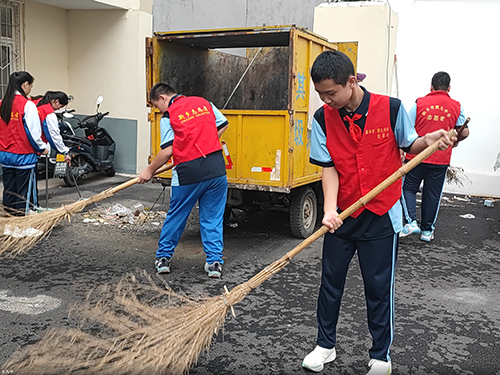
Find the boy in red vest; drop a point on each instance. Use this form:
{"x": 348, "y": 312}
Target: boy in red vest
{"x": 190, "y": 131}
{"x": 356, "y": 137}
{"x": 434, "y": 111}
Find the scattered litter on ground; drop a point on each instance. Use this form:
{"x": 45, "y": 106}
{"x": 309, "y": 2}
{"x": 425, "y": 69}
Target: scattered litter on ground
{"x": 137, "y": 209}
{"x": 467, "y": 216}
{"x": 123, "y": 217}
{"x": 17, "y": 232}
{"x": 466, "y": 199}
{"x": 489, "y": 203}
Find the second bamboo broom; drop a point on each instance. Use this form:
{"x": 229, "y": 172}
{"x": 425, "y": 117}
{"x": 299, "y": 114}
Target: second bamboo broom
{"x": 18, "y": 234}
{"x": 150, "y": 338}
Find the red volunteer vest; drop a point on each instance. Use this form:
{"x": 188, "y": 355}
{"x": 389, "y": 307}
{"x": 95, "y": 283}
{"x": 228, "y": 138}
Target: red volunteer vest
{"x": 193, "y": 122}
{"x": 436, "y": 111}
{"x": 13, "y": 137}
{"x": 363, "y": 167}
{"x": 43, "y": 111}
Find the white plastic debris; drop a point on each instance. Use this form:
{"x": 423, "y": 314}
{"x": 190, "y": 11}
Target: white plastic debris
{"x": 119, "y": 210}
{"x": 488, "y": 203}
{"x": 467, "y": 216}
{"x": 17, "y": 232}
{"x": 461, "y": 199}
{"x": 87, "y": 220}
{"x": 497, "y": 163}
{"x": 137, "y": 207}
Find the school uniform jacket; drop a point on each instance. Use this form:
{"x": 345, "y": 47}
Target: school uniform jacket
{"x": 50, "y": 128}
{"x": 13, "y": 137}
{"x": 20, "y": 140}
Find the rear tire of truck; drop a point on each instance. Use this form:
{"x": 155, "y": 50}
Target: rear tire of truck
{"x": 303, "y": 212}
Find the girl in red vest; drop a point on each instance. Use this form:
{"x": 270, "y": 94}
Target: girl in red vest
{"x": 20, "y": 141}
{"x": 356, "y": 137}
{"x": 48, "y": 104}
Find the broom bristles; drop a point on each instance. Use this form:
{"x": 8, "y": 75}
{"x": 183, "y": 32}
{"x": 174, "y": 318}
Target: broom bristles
{"x": 141, "y": 327}
{"x": 18, "y": 234}
{"x": 120, "y": 331}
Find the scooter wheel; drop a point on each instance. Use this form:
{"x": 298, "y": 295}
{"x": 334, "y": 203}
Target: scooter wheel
{"x": 70, "y": 177}
{"x": 110, "y": 171}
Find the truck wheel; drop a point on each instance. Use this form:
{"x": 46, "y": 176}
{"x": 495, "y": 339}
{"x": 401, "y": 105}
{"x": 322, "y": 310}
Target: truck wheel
{"x": 303, "y": 212}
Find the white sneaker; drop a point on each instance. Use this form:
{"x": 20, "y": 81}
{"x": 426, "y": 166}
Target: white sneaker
{"x": 315, "y": 360}
{"x": 378, "y": 367}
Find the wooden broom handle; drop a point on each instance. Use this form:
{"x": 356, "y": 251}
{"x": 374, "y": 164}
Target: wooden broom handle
{"x": 134, "y": 180}
{"x": 372, "y": 194}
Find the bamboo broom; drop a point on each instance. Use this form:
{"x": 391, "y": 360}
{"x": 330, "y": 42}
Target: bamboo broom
{"x": 21, "y": 233}
{"x": 152, "y": 337}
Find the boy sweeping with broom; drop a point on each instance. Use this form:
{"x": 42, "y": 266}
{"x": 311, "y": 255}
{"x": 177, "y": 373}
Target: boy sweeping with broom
{"x": 190, "y": 131}
{"x": 356, "y": 137}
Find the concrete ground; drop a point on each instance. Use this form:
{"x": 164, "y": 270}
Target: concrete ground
{"x": 447, "y": 310}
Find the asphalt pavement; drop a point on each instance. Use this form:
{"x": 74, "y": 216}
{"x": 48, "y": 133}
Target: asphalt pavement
{"x": 447, "y": 291}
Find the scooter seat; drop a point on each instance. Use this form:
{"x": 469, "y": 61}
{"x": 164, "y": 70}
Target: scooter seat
{"x": 87, "y": 141}
{"x": 77, "y": 139}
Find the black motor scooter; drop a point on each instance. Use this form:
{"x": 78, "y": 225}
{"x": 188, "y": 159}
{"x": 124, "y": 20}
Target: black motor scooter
{"x": 93, "y": 153}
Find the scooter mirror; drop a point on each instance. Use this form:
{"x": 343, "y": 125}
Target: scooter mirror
{"x": 71, "y": 98}
{"x": 98, "y": 102}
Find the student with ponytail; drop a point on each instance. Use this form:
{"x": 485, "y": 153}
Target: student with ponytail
{"x": 20, "y": 141}
{"x": 50, "y": 102}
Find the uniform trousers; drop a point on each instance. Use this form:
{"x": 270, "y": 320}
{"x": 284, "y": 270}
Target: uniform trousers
{"x": 211, "y": 196}
{"x": 18, "y": 185}
{"x": 377, "y": 260}
{"x": 434, "y": 177}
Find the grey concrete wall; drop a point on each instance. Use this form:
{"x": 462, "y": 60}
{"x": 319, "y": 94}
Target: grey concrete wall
{"x": 171, "y": 15}
{"x": 124, "y": 133}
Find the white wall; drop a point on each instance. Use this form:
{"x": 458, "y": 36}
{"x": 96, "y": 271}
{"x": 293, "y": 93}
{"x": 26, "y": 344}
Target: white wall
{"x": 457, "y": 36}
{"x": 107, "y": 57}
{"x": 371, "y": 24}
{"x": 46, "y": 47}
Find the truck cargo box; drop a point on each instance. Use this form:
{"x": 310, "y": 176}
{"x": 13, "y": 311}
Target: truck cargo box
{"x": 260, "y": 79}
